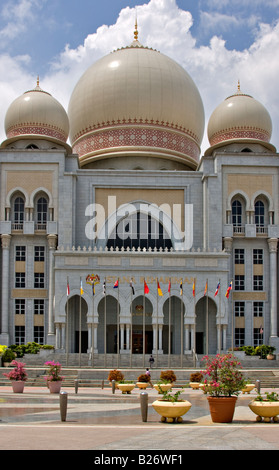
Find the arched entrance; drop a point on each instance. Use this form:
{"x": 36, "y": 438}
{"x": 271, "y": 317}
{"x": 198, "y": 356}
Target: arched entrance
{"x": 173, "y": 311}
{"x": 141, "y": 325}
{"x": 77, "y": 324}
{"x": 206, "y": 329}
{"x": 108, "y": 328}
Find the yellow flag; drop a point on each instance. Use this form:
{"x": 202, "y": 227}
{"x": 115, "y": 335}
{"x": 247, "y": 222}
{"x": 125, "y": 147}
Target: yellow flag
{"x": 81, "y": 289}
{"x": 159, "y": 290}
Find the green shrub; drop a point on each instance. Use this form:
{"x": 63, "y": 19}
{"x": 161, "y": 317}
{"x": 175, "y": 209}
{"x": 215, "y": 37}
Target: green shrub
{"x": 8, "y": 355}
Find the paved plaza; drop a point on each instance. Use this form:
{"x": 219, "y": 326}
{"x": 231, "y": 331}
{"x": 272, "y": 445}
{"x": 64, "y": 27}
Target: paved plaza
{"x": 99, "y": 420}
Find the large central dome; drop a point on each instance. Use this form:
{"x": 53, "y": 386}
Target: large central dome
{"x": 136, "y": 102}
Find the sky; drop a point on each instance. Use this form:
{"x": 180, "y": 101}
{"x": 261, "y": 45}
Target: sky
{"x": 218, "y": 42}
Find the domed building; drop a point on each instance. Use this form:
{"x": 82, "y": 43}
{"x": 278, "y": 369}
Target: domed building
{"x": 124, "y": 241}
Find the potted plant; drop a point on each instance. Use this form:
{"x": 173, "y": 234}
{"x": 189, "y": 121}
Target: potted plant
{"x": 170, "y": 407}
{"x": 223, "y": 382}
{"x": 116, "y": 375}
{"x": 167, "y": 378}
{"x": 126, "y": 386}
{"x": 248, "y": 386}
{"x": 7, "y": 357}
{"x": 266, "y": 408}
{"x": 143, "y": 381}
{"x": 195, "y": 380}
{"x": 53, "y": 378}
{"x": 18, "y": 376}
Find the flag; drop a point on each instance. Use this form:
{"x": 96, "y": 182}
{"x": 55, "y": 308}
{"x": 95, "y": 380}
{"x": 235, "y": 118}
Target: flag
{"x": 205, "y": 289}
{"x": 169, "y": 288}
{"x": 68, "y": 288}
{"x": 194, "y": 288}
{"x": 104, "y": 287}
{"x": 132, "y": 287}
{"x": 217, "y": 289}
{"x": 181, "y": 288}
{"x": 228, "y": 290}
{"x": 81, "y": 289}
{"x": 159, "y": 289}
{"x": 92, "y": 279}
{"x": 146, "y": 288}
{"x": 115, "y": 284}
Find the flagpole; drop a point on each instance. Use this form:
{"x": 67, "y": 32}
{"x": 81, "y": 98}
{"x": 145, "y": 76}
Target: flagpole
{"x": 67, "y": 325}
{"x": 194, "y": 339}
{"x": 169, "y": 328}
{"x": 157, "y": 339}
{"x": 232, "y": 324}
{"x": 105, "y": 323}
{"x": 131, "y": 334}
{"x": 220, "y": 329}
{"x": 207, "y": 316}
{"x": 118, "y": 323}
{"x": 143, "y": 326}
{"x": 80, "y": 325}
{"x": 181, "y": 331}
{"x": 92, "y": 328}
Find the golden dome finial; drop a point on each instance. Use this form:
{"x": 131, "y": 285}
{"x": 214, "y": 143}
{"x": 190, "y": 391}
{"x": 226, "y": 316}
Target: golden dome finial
{"x": 136, "y": 29}
{"x": 238, "y": 85}
{"x": 38, "y": 80}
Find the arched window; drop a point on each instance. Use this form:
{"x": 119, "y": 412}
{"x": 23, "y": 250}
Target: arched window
{"x": 259, "y": 214}
{"x": 236, "y": 213}
{"x": 41, "y": 213}
{"x": 139, "y": 230}
{"x": 18, "y": 213}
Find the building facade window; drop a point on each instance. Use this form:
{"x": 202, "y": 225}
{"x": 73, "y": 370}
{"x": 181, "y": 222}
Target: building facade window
{"x": 20, "y": 335}
{"x": 20, "y": 253}
{"x": 39, "y": 280}
{"x": 239, "y": 256}
{"x": 39, "y": 306}
{"x": 258, "y": 282}
{"x": 19, "y": 280}
{"x": 239, "y": 282}
{"x": 257, "y": 336}
{"x": 257, "y": 256}
{"x": 258, "y": 309}
{"x": 18, "y": 213}
{"x": 19, "y": 306}
{"x": 236, "y": 213}
{"x": 239, "y": 309}
{"x": 39, "y": 253}
{"x": 39, "y": 334}
{"x": 239, "y": 337}
{"x": 41, "y": 213}
{"x": 259, "y": 215}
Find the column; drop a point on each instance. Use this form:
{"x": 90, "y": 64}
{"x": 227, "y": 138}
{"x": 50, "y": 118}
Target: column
{"x": 52, "y": 241}
{"x": 273, "y": 276}
{"x": 127, "y": 336}
{"x": 6, "y": 240}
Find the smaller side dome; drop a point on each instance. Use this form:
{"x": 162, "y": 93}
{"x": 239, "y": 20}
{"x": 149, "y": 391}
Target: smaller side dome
{"x": 239, "y": 118}
{"x": 36, "y": 113}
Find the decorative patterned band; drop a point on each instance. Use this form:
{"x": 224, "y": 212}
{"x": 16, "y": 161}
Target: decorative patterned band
{"x": 37, "y": 129}
{"x": 143, "y": 137}
{"x": 234, "y": 134}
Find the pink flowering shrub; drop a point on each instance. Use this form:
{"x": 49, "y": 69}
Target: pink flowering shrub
{"x": 222, "y": 376}
{"x": 18, "y": 373}
{"x": 53, "y": 372}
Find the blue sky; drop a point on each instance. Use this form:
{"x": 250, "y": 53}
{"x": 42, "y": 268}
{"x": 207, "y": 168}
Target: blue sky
{"x": 217, "y": 41}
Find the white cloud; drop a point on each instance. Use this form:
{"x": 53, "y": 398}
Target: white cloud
{"x": 163, "y": 26}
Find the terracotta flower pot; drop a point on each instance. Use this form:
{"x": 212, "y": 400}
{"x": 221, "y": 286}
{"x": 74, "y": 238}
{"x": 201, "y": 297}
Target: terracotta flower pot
{"x": 55, "y": 386}
{"x": 18, "y": 386}
{"x": 222, "y": 409}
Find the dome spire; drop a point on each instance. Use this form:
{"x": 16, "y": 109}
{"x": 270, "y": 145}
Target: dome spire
{"x": 136, "y": 33}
